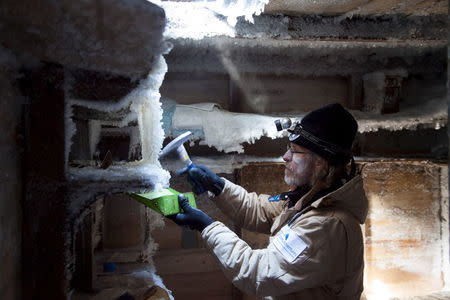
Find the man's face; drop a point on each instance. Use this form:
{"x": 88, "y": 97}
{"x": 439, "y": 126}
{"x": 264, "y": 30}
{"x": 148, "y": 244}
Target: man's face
{"x": 300, "y": 164}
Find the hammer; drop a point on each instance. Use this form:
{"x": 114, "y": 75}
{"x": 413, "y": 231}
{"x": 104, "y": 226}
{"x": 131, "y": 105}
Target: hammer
{"x": 177, "y": 145}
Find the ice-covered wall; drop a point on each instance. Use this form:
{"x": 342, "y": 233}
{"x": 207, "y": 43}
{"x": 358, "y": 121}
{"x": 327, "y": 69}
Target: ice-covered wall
{"x": 115, "y": 36}
{"x": 10, "y": 179}
{"x": 145, "y": 108}
{"x": 287, "y": 19}
{"x": 227, "y": 131}
{"x": 355, "y": 7}
{"x": 431, "y": 114}
{"x": 89, "y": 183}
{"x": 306, "y": 57}
{"x": 121, "y": 232}
{"x": 145, "y": 176}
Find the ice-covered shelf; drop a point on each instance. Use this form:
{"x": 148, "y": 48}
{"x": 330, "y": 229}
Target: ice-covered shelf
{"x": 135, "y": 175}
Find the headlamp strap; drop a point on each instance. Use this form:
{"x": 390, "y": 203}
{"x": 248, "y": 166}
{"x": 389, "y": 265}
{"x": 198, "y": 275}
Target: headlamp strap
{"x": 329, "y": 147}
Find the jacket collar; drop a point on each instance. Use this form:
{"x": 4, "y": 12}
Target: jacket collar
{"x": 350, "y": 197}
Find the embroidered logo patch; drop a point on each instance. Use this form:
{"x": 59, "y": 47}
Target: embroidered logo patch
{"x": 289, "y": 243}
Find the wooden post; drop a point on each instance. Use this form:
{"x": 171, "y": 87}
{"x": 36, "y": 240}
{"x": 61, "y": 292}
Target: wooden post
{"x": 44, "y": 214}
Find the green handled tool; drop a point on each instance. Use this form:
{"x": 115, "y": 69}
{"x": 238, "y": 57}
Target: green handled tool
{"x": 164, "y": 201}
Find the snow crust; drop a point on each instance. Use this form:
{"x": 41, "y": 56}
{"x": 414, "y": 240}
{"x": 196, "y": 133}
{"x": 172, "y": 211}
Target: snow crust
{"x": 146, "y": 174}
{"x": 212, "y": 18}
{"x": 227, "y": 131}
{"x": 145, "y": 107}
{"x": 95, "y": 130}
{"x": 233, "y": 9}
{"x": 224, "y": 130}
{"x": 431, "y": 114}
{"x": 181, "y": 22}
{"x": 294, "y": 56}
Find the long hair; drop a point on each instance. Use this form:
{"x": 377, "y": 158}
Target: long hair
{"x": 329, "y": 174}
{"x": 326, "y": 177}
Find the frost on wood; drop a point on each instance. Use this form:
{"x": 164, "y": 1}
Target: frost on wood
{"x": 221, "y": 129}
{"x": 146, "y": 174}
{"x": 115, "y": 36}
{"x": 374, "y": 91}
{"x": 136, "y": 283}
{"x": 144, "y": 107}
{"x": 95, "y": 130}
{"x": 181, "y": 24}
{"x": 70, "y": 130}
{"x": 236, "y": 8}
{"x": 207, "y": 22}
{"x": 432, "y": 114}
{"x": 350, "y": 8}
{"x": 294, "y": 56}
{"x": 227, "y": 131}
{"x": 318, "y": 6}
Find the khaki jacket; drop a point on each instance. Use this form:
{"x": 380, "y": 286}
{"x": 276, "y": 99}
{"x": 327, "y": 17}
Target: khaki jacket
{"x": 318, "y": 255}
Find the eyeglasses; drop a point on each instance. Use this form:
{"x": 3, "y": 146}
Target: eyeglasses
{"x": 290, "y": 150}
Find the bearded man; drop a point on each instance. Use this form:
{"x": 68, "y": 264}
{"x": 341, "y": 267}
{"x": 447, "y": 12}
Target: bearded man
{"x": 316, "y": 245}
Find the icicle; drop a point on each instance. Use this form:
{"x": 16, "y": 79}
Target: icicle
{"x": 148, "y": 108}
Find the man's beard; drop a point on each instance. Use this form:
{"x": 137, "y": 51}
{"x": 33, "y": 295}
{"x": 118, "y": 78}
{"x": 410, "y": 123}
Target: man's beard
{"x": 298, "y": 190}
{"x": 290, "y": 180}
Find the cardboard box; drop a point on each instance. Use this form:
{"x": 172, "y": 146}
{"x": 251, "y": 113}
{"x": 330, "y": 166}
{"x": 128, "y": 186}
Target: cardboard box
{"x": 164, "y": 201}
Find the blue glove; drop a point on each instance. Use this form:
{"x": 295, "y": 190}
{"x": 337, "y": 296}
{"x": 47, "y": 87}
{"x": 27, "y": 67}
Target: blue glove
{"x": 203, "y": 179}
{"x": 191, "y": 217}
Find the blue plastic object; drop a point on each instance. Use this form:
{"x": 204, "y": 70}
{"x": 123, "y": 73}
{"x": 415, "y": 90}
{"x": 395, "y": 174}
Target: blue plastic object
{"x": 109, "y": 267}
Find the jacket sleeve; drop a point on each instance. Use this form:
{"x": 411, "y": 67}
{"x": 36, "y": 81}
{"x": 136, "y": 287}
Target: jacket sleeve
{"x": 248, "y": 210}
{"x": 267, "y": 272}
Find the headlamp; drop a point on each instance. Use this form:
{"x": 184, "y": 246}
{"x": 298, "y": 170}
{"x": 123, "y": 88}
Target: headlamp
{"x": 284, "y": 123}
{"x": 287, "y": 124}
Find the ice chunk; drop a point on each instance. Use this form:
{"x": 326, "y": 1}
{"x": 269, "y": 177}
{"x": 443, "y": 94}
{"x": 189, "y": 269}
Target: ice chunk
{"x": 224, "y": 130}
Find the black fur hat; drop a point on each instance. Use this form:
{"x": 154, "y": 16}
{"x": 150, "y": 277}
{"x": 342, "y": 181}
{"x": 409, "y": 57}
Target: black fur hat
{"x": 328, "y": 131}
